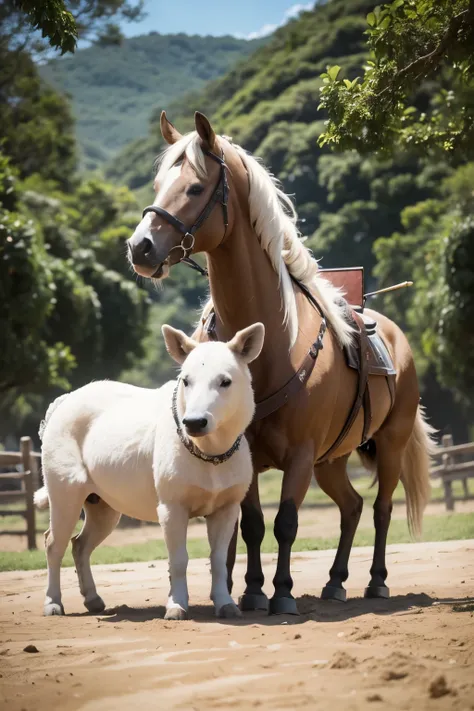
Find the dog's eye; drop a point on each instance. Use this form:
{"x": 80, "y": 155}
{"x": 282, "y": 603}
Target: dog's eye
{"x": 185, "y": 382}
{"x": 195, "y": 189}
{"x": 226, "y": 383}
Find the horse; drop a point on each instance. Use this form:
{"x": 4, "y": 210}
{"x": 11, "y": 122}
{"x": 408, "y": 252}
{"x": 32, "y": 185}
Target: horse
{"x": 162, "y": 455}
{"x": 213, "y": 197}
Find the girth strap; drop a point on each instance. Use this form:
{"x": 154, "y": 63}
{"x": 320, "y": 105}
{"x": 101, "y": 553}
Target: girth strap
{"x": 362, "y": 395}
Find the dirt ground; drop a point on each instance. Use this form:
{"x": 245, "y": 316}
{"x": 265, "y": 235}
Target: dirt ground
{"x": 414, "y": 651}
{"x": 314, "y": 522}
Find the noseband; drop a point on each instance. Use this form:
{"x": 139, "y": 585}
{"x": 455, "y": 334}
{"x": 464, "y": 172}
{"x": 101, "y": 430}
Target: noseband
{"x": 220, "y": 194}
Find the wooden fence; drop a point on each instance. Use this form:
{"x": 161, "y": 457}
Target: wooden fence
{"x": 456, "y": 464}
{"x": 28, "y": 477}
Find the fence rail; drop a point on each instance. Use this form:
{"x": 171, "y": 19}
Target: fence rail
{"x": 454, "y": 466}
{"x": 29, "y": 482}
{"x": 455, "y": 463}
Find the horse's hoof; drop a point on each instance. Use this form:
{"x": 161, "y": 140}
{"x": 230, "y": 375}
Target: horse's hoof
{"x": 229, "y": 611}
{"x": 329, "y": 592}
{"x": 53, "y": 608}
{"x": 374, "y": 591}
{"x": 96, "y": 604}
{"x": 176, "y": 613}
{"x": 283, "y": 606}
{"x": 252, "y": 601}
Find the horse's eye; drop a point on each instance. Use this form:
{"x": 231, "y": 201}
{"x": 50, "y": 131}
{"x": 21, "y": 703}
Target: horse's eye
{"x": 226, "y": 383}
{"x": 185, "y": 382}
{"x": 195, "y": 189}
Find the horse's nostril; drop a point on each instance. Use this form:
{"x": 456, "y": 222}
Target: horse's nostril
{"x": 142, "y": 251}
{"x": 146, "y": 246}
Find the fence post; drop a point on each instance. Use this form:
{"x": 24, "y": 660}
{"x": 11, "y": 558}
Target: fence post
{"x": 447, "y": 441}
{"x": 25, "y": 447}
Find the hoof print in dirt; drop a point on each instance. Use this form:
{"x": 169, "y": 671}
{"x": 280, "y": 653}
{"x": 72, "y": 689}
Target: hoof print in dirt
{"x": 439, "y": 687}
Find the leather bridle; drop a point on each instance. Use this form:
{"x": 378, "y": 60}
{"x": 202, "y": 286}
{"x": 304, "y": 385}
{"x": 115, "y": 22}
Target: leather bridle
{"x": 219, "y": 194}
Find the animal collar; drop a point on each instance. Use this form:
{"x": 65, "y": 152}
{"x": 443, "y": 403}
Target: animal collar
{"x": 191, "y": 447}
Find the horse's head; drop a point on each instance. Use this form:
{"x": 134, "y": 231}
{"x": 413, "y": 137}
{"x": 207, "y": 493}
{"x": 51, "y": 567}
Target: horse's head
{"x": 191, "y": 182}
{"x": 214, "y": 390}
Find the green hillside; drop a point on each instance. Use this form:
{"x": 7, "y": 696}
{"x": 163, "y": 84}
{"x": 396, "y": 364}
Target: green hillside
{"x": 113, "y": 89}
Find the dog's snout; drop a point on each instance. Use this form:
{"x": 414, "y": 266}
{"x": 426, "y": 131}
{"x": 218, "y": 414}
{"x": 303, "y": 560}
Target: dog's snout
{"x": 195, "y": 425}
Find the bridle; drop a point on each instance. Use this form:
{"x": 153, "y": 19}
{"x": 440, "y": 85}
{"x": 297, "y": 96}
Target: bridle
{"x": 220, "y": 194}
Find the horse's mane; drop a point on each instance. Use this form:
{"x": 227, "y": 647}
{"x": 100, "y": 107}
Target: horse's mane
{"x": 274, "y": 218}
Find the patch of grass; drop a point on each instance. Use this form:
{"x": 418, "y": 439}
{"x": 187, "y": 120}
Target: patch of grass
{"x": 436, "y": 528}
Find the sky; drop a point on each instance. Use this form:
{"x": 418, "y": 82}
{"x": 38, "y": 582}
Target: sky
{"x": 247, "y": 19}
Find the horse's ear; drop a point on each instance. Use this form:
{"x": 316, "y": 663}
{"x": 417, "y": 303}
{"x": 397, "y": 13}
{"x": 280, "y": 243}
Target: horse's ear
{"x": 177, "y": 343}
{"x": 168, "y": 131}
{"x": 248, "y": 343}
{"x": 205, "y": 130}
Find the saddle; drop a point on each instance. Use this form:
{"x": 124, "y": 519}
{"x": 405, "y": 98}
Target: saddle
{"x": 367, "y": 354}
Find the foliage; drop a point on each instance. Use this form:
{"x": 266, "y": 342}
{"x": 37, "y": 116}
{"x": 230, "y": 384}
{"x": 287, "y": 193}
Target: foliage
{"x": 410, "y": 41}
{"x": 70, "y": 311}
{"x": 438, "y": 240}
{"x": 115, "y": 86}
{"x": 54, "y": 21}
{"x": 37, "y": 126}
{"x": 63, "y": 22}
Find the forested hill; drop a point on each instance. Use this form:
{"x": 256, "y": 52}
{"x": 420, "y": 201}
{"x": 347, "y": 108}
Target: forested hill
{"x": 113, "y": 89}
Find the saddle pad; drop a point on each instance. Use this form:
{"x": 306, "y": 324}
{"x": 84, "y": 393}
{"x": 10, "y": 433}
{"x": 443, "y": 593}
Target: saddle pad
{"x": 380, "y": 361}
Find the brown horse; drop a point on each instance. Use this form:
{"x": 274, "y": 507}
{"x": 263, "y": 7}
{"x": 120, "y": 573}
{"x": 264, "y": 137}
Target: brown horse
{"x": 253, "y": 254}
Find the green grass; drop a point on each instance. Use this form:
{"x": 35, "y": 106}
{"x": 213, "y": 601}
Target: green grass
{"x": 436, "y": 528}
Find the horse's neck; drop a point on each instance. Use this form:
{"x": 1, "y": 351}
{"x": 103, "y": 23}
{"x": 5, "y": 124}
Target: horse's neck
{"x": 245, "y": 289}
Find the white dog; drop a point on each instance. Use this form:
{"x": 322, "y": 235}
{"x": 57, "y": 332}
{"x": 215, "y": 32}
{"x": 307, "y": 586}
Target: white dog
{"x": 167, "y": 454}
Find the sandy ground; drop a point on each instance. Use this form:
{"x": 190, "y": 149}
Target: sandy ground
{"x": 414, "y": 651}
{"x": 314, "y": 522}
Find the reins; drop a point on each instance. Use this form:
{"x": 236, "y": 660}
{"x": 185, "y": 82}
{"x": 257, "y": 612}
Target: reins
{"x": 191, "y": 447}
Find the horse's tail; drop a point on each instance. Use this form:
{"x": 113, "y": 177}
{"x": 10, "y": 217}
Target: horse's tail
{"x": 49, "y": 412}
{"x": 416, "y": 471}
{"x": 41, "y": 498}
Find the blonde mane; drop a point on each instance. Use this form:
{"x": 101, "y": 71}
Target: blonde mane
{"x": 274, "y": 218}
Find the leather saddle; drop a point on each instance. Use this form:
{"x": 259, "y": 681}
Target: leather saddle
{"x": 367, "y": 354}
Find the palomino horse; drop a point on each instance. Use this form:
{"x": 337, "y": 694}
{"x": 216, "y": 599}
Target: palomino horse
{"x": 167, "y": 454}
{"x": 259, "y": 270}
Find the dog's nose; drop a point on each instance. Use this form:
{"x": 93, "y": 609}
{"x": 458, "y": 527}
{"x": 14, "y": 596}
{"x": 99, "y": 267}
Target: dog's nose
{"x": 141, "y": 252}
{"x": 195, "y": 425}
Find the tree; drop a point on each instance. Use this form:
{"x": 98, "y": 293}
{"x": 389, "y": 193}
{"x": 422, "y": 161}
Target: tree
{"x": 62, "y": 23}
{"x": 411, "y": 43}
{"x": 438, "y": 245}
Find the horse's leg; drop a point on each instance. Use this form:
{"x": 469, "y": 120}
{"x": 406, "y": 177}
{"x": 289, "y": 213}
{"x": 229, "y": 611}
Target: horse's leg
{"x": 333, "y": 480}
{"x": 231, "y": 554}
{"x": 252, "y": 526}
{"x": 100, "y": 520}
{"x": 174, "y": 519}
{"x": 389, "y": 466}
{"x": 220, "y": 528}
{"x": 65, "y": 502}
{"x": 296, "y": 480}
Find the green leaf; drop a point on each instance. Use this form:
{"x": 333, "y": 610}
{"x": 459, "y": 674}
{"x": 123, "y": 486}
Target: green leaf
{"x": 348, "y": 83}
{"x": 386, "y": 22}
{"x": 371, "y": 20}
{"x": 333, "y": 72}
